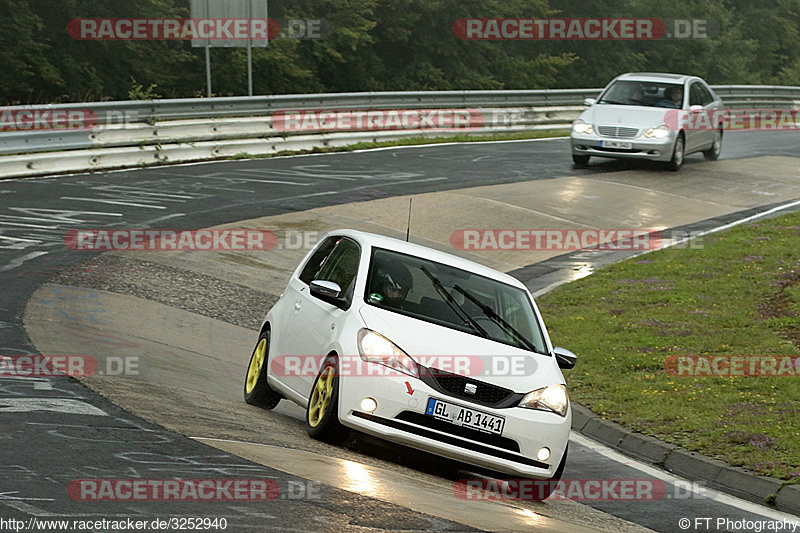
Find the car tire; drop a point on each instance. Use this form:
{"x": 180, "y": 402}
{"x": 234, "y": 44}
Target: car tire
{"x": 322, "y": 412}
{"x": 580, "y": 160}
{"x": 256, "y": 389}
{"x": 712, "y": 154}
{"x": 678, "y": 153}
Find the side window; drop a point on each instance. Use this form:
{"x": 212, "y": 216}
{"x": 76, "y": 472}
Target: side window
{"x": 707, "y": 97}
{"x": 317, "y": 259}
{"x": 696, "y": 94}
{"x": 341, "y": 266}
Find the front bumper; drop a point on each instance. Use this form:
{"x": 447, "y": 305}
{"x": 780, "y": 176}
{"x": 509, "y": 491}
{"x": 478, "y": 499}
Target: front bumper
{"x": 400, "y": 417}
{"x": 641, "y": 148}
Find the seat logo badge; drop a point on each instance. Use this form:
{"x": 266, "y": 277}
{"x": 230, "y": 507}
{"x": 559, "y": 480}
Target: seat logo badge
{"x": 470, "y": 388}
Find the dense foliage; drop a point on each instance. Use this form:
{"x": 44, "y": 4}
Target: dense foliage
{"x": 382, "y": 45}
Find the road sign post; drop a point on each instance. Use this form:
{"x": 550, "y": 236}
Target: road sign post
{"x": 229, "y": 9}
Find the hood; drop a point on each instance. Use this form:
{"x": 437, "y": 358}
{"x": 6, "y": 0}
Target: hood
{"x": 625, "y": 115}
{"x": 454, "y": 351}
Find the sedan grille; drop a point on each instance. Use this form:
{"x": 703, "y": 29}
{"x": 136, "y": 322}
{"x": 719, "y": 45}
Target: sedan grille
{"x": 620, "y": 132}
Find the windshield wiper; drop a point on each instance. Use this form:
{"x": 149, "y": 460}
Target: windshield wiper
{"x": 497, "y": 319}
{"x": 453, "y": 305}
{"x": 612, "y": 102}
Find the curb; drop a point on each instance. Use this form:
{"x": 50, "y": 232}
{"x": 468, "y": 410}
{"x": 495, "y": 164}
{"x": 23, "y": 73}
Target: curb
{"x": 693, "y": 466}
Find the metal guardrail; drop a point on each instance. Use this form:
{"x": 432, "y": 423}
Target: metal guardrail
{"x": 19, "y": 142}
{"x": 758, "y": 96}
{"x": 242, "y": 106}
{"x": 207, "y": 116}
{"x": 194, "y": 108}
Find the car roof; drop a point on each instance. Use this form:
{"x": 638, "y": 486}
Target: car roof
{"x": 656, "y": 77}
{"x": 373, "y": 240}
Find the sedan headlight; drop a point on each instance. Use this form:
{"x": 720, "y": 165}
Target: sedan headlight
{"x": 579, "y": 126}
{"x": 660, "y": 132}
{"x": 375, "y": 348}
{"x": 552, "y": 398}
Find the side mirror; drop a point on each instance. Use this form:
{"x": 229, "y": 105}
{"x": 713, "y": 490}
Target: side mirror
{"x": 589, "y": 102}
{"x": 328, "y": 292}
{"x": 565, "y": 358}
{"x": 325, "y": 289}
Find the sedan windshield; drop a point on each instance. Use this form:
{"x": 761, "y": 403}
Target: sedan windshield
{"x": 643, "y": 94}
{"x": 453, "y": 298}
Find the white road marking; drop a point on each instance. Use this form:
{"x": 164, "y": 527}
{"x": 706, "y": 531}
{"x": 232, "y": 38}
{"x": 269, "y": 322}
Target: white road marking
{"x": 146, "y": 223}
{"x": 251, "y": 180}
{"x": 6, "y": 496}
{"x": 113, "y": 202}
{"x": 59, "y": 215}
{"x": 27, "y": 225}
{"x": 170, "y": 196}
{"x": 669, "y": 244}
{"x": 26, "y": 508}
{"x": 57, "y": 405}
{"x": 704, "y": 492}
{"x": 17, "y": 261}
{"x": 6, "y": 237}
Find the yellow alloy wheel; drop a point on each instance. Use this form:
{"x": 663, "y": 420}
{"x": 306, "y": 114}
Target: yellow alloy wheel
{"x": 321, "y": 396}
{"x": 256, "y": 363}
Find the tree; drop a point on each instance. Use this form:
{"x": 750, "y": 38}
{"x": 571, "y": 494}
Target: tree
{"x": 25, "y": 67}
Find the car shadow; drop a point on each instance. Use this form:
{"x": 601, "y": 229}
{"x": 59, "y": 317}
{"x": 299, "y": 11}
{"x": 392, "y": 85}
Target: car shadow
{"x": 598, "y": 164}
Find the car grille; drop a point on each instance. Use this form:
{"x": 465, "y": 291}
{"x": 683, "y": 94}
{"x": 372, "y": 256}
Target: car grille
{"x": 459, "y": 431}
{"x": 620, "y": 132}
{"x": 616, "y": 150}
{"x": 485, "y": 393}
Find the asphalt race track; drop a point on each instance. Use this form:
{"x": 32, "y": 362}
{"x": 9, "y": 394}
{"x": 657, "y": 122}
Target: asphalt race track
{"x": 187, "y": 420}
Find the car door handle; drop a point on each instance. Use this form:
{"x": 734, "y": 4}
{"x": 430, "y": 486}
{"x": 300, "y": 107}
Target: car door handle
{"x": 297, "y": 305}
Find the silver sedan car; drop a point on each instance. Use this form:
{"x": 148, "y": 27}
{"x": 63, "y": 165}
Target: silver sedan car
{"x": 659, "y": 117}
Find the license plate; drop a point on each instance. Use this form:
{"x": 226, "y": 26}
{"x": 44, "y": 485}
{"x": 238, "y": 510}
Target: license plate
{"x": 464, "y": 416}
{"x": 616, "y": 144}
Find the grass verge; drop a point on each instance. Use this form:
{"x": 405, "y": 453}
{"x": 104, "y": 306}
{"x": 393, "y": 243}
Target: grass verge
{"x": 735, "y": 293}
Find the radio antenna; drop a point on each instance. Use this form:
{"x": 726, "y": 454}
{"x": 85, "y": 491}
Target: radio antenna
{"x": 408, "y": 226}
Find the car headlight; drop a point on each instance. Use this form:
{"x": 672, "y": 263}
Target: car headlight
{"x": 658, "y": 133}
{"x": 375, "y": 348}
{"x": 552, "y": 398}
{"x": 579, "y": 126}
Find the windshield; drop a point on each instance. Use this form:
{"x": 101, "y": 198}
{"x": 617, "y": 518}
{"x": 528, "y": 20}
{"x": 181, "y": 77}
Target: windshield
{"x": 453, "y": 298}
{"x": 643, "y": 94}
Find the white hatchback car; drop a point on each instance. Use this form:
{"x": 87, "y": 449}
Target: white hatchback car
{"x": 418, "y": 347}
{"x": 651, "y": 116}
